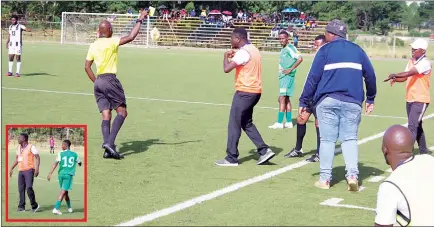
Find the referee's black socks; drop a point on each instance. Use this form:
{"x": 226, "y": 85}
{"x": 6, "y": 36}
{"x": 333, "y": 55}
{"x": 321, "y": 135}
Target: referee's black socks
{"x": 301, "y": 132}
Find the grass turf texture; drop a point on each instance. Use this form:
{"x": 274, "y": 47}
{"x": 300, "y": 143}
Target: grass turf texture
{"x": 170, "y": 148}
{"x": 47, "y": 191}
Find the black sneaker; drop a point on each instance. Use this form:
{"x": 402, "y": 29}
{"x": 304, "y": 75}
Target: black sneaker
{"x": 294, "y": 154}
{"x": 107, "y": 154}
{"x": 113, "y": 152}
{"x": 34, "y": 210}
{"x": 21, "y": 210}
{"x": 313, "y": 158}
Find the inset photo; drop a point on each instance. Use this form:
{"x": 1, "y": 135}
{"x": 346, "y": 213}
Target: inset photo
{"x": 46, "y": 172}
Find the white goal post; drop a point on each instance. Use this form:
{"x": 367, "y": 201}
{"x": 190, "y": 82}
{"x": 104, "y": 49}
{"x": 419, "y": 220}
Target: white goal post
{"x": 81, "y": 28}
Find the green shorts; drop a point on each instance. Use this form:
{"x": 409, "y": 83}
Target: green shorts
{"x": 65, "y": 182}
{"x": 286, "y": 86}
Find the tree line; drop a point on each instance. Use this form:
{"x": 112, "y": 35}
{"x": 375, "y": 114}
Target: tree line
{"x": 75, "y": 135}
{"x": 377, "y": 17}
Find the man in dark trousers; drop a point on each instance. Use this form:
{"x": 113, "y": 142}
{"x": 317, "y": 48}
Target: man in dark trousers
{"x": 28, "y": 170}
{"x": 108, "y": 90}
{"x": 418, "y": 96}
{"x": 248, "y": 84}
{"x": 335, "y": 84}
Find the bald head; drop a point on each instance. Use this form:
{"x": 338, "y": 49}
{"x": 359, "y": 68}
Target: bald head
{"x": 399, "y": 139}
{"x": 397, "y": 145}
{"x": 105, "y": 29}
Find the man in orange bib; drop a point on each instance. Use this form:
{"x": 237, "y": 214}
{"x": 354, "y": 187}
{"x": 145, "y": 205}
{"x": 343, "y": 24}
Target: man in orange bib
{"x": 28, "y": 170}
{"x": 248, "y": 84}
{"x": 417, "y": 74}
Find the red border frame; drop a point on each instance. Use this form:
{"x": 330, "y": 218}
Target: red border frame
{"x": 7, "y": 171}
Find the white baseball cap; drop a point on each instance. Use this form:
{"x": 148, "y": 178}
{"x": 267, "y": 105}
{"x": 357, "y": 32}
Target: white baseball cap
{"x": 419, "y": 44}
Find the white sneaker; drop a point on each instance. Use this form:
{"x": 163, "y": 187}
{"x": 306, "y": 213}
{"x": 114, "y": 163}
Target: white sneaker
{"x": 70, "y": 210}
{"x": 56, "y": 211}
{"x": 276, "y": 125}
{"x": 288, "y": 125}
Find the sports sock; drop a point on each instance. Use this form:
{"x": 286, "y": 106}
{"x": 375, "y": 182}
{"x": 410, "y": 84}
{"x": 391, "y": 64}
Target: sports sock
{"x": 318, "y": 140}
{"x": 57, "y": 206}
{"x": 117, "y": 124}
{"x": 68, "y": 203}
{"x": 289, "y": 116}
{"x": 280, "y": 116}
{"x": 301, "y": 131}
{"x": 105, "y": 128}
{"x": 18, "y": 67}
{"x": 11, "y": 64}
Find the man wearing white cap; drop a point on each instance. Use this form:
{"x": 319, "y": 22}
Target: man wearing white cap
{"x": 417, "y": 74}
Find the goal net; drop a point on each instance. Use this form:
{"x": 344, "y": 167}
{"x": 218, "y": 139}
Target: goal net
{"x": 81, "y": 28}
{"x": 380, "y": 46}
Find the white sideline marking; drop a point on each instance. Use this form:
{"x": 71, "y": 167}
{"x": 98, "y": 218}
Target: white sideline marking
{"x": 334, "y": 202}
{"x": 234, "y": 187}
{"x": 172, "y": 100}
{"x": 376, "y": 179}
{"x": 40, "y": 178}
{"x": 431, "y": 148}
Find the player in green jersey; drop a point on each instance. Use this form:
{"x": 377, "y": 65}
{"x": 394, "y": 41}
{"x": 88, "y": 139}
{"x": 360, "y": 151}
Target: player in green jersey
{"x": 67, "y": 161}
{"x": 290, "y": 59}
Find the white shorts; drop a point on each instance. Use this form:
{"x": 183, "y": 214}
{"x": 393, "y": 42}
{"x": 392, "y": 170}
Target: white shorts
{"x": 15, "y": 50}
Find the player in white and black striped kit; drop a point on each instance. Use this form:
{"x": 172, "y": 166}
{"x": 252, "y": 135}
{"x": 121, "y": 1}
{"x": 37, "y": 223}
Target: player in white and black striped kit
{"x": 14, "y": 44}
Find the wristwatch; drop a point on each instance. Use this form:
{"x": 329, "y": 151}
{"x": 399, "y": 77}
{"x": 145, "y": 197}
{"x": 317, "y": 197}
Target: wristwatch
{"x": 139, "y": 21}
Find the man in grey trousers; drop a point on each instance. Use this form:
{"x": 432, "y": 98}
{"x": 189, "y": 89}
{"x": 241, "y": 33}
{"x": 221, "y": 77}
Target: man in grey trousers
{"x": 417, "y": 74}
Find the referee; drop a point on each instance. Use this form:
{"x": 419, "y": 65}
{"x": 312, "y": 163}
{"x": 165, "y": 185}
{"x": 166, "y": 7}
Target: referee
{"x": 108, "y": 91}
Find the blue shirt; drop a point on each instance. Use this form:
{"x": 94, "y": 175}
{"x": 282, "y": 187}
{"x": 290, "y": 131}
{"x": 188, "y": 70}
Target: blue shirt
{"x": 337, "y": 71}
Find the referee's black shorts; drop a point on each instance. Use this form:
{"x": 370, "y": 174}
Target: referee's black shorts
{"x": 108, "y": 92}
{"x": 311, "y": 108}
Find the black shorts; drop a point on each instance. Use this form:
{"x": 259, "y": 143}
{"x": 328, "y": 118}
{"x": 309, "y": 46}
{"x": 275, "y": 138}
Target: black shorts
{"x": 311, "y": 109}
{"x": 108, "y": 92}
{"x": 51, "y": 147}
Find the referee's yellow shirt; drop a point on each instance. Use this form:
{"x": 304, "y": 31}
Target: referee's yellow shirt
{"x": 104, "y": 52}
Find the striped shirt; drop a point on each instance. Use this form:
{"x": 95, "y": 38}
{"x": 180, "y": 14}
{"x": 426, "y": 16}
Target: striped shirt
{"x": 16, "y": 35}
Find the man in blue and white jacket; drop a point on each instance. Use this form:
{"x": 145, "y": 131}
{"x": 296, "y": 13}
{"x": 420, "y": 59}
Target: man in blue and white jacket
{"x": 335, "y": 87}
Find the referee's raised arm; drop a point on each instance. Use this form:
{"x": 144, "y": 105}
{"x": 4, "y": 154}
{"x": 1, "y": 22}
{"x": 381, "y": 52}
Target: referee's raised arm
{"x": 136, "y": 29}
{"x": 108, "y": 91}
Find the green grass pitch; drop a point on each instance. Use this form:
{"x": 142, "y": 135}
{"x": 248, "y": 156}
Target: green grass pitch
{"x": 47, "y": 191}
{"x": 170, "y": 147}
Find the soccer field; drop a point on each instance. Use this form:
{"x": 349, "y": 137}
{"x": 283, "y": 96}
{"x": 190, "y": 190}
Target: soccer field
{"x": 47, "y": 191}
{"x": 178, "y": 104}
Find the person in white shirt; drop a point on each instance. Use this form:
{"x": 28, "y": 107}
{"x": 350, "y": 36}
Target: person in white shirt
{"x": 14, "y": 44}
{"x": 406, "y": 197}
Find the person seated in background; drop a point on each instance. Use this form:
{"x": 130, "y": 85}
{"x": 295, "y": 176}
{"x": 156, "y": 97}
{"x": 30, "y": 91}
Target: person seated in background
{"x": 192, "y": 13}
{"x": 240, "y": 15}
{"x": 183, "y": 13}
{"x": 203, "y": 15}
{"x": 274, "y": 31}
{"x": 313, "y": 24}
{"x": 307, "y": 25}
{"x": 165, "y": 14}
